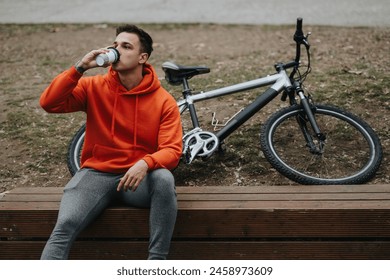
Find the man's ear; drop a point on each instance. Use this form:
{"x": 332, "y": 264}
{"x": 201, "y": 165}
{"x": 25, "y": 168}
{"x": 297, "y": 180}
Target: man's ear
{"x": 143, "y": 58}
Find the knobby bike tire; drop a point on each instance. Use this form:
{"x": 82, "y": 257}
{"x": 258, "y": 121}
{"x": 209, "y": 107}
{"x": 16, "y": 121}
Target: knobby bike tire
{"x": 74, "y": 150}
{"x": 352, "y": 154}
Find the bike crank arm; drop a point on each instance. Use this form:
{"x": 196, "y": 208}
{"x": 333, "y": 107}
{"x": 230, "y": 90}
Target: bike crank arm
{"x": 199, "y": 143}
{"x": 195, "y": 150}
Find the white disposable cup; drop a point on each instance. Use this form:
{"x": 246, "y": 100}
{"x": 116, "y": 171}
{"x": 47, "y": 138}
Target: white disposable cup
{"x": 105, "y": 59}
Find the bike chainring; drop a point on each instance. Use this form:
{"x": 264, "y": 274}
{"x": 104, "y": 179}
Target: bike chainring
{"x": 201, "y": 144}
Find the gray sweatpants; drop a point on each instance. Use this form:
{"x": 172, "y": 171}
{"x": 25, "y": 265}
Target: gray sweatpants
{"x": 89, "y": 192}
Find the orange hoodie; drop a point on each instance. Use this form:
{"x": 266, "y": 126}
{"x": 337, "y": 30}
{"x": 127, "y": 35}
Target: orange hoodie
{"x": 122, "y": 126}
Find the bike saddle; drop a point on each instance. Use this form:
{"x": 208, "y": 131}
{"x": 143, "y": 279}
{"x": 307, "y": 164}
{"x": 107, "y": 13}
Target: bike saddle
{"x": 174, "y": 73}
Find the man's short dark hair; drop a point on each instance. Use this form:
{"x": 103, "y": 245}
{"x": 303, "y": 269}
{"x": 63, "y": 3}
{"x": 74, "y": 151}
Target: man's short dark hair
{"x": 144, "y": 38}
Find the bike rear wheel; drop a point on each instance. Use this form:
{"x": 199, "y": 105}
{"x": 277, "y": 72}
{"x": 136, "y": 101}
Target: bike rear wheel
{"x": 74, "y": 150}
{"x": 352, "y": 152}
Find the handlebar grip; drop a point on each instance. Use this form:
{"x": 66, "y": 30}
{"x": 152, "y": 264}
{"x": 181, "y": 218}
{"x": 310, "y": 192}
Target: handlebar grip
{"x": 298, "y": 36}
{"x": 299, "y": 25}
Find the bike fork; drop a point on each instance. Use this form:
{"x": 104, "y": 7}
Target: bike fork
{"x": 308, "y": 113}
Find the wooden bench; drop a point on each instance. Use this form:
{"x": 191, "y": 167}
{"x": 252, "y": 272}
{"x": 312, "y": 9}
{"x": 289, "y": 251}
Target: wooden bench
{"x": 266, "y": 222}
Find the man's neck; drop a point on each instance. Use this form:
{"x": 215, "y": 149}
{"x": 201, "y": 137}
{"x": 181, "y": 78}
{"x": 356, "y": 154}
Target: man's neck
{"x": 131, "y": 79}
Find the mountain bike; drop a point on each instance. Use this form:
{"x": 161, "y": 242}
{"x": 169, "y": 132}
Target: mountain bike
{"x": 308, "y": 143}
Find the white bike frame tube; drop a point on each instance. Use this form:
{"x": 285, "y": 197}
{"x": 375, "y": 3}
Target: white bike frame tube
{"x": 261, "y": 82}
{"x": 279, "y": 81}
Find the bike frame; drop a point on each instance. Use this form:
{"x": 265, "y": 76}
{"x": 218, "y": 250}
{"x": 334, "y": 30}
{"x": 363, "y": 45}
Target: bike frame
{"x": 279, "y": 81}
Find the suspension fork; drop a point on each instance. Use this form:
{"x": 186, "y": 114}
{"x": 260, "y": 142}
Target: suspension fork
{"x": 308, "y": 116}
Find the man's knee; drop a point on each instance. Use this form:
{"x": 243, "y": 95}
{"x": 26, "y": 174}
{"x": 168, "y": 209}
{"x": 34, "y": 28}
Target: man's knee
{"x": 163, "y": 180}
{"x": 163, "y": 177}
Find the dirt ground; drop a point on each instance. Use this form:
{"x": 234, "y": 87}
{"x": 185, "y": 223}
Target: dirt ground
{"x": 350, "y": 69}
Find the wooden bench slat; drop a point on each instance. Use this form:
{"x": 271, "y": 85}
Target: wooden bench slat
{"x": 230, "y": 204}
{"x": 287, "y": 189}
{"x": 295, "y": 205}
{"x": 240, "y": 189}
{"x": 228, "y": 196}
{"x": 32, "y": 198}
{"x": 285, "y": 196}
{"x": 207, "y": 250}
{"x": 223, "y": 223}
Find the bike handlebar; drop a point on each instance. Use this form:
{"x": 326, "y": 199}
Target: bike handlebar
{"x": 300, "y": 39}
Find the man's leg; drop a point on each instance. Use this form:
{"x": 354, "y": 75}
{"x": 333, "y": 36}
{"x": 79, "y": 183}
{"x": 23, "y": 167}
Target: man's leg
{"x": 86, "y": 195}
{"x": 158, "y": 192}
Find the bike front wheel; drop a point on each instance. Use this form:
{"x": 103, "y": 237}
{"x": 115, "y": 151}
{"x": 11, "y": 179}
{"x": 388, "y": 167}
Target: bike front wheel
{"x": 351, "y": 154}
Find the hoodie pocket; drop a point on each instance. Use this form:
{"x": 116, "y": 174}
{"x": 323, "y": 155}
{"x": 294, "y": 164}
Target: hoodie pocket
{"x": 116, "y": 157}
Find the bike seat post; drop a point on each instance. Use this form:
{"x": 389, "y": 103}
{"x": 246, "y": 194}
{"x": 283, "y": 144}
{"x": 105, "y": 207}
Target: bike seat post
{"x": 186, "y": 87}
{"x": 191, "y": 106}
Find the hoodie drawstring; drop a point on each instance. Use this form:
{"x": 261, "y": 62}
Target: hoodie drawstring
{"x": 135, "y": 119}
{"x": 113, "y": 117}
{"x": 135, "y": 122}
